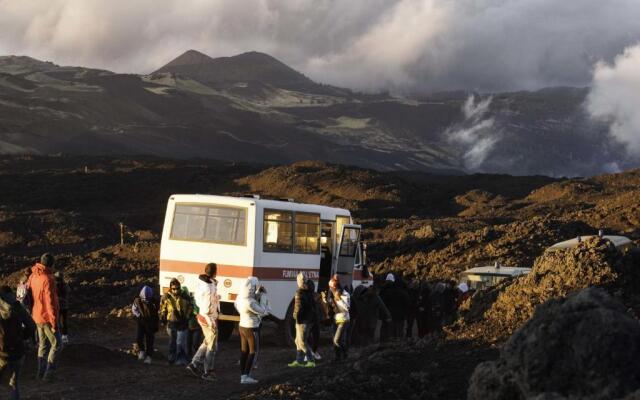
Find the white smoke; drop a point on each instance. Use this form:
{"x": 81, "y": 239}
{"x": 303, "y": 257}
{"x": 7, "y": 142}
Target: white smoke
{"x": 615, "y": 97}
{"x": 476, "y": 134}
{"x": 398, "y": 45}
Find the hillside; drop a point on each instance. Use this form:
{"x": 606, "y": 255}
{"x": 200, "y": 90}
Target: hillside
{"x": 420, "y": 225}
{"x": 254, "y": 108}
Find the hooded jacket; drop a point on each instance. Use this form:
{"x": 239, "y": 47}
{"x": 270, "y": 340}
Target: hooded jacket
{"x": 207, "y": 300}
{"x": 250, "y": 310}
{"x": 303, "y": 310}
{"x": 15, "y": 326}
{"x": 45, "y": 299}
{"x": 193, "y": 321}
{"x": 176, "y": 310}
{"x": 341, "y": 303}
{"x": 145, "y": 309}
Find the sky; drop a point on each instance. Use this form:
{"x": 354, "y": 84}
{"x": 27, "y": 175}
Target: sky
{"x": 370, "y": 45}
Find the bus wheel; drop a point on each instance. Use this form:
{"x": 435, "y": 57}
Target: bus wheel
{"x": 225, "y": 330}
{"x": 287, "y": 328}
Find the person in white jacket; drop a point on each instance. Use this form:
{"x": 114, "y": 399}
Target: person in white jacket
{"x": 340, "y": 301}
{"x": 251, "y": 313}
{"x": 208, "y": 303}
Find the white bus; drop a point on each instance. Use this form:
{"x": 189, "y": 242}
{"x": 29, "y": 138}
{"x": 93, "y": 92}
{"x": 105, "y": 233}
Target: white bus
{"x": 273, "y": 240}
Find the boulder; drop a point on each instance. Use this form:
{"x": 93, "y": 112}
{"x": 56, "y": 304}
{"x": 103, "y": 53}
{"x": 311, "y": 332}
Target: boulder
{"x": 582, "y": 346}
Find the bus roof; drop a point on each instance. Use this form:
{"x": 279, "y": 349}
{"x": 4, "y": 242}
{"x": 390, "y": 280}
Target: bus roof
{"x": 618, "y": 241}
{"x": 497, "y": 271}
{"x": 264, "y": 203}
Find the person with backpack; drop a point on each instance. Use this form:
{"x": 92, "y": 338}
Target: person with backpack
{"x": 16, "y": 325}
{"x": 45, "y": 314}
{"x": 251, "y": 313}
{"x": 175, "y": 310}
{"x": 63, "y": 291}
{"x": 304, "y": 316}
{"x": 145, "y": 311}
{"x": 194, "y": 333}
{"x": 340, "y": 302}
{"x": 208, "y": 304}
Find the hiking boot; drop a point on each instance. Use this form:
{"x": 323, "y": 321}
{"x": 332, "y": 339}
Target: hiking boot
{"x": 296, "y": 364}
{"x": 209, "y": 376}
{"x": 310, "y": 364}
{"x": 48, "y": 375}
{"x": 141, "y": 355}
{"x": 194, "y": 370}
{"x": 147, "y": 360}
{"x": 42, "y": 367}
{"x": 246, "y": 379}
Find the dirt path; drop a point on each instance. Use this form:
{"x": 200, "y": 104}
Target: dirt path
{"x": 96, "y": 366}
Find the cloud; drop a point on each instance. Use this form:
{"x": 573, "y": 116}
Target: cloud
{"x": 398, "y": 45}
{"x": 476, "y": 135}
{"x": 615, "y": 96}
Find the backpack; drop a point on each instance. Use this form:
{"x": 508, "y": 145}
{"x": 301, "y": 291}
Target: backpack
{"x": 25, "y": 297}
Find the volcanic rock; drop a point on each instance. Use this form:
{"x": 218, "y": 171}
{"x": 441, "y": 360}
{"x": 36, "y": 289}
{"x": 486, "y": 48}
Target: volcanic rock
{"x": 583, "y": 346}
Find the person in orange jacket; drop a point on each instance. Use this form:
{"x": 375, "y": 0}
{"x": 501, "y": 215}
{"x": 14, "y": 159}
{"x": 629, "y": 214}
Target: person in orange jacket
{"x": 45, "y": 314}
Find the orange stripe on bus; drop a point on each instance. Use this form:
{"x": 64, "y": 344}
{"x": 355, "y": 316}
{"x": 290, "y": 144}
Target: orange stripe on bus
{"x": 237, "y": 271}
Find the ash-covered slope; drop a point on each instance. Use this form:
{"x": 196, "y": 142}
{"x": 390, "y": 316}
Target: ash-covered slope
{"x": 254, "y": 108}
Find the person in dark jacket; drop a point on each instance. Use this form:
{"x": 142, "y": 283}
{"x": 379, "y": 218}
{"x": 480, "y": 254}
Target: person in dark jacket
{"x": 145, "y": 310}
{"x": 16, "y": 325}
{"x": 371, "y": 309}
{"x": 413, "y": 290}
{"x": 424, "y": 309}
{"x": 397, "y": 301}
{"x": 315, "y": 326}
{"x": 63, "y": 290}
{"x": 304, "y": 316}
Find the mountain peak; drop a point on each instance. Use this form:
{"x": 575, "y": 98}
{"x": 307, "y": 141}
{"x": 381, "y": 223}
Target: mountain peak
{"x": 189, "y": 57}
{"x": 245, "y": 67}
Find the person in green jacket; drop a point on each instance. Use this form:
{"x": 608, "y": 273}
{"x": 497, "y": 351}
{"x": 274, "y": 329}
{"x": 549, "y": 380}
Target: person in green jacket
{"x": 194, "y": 334}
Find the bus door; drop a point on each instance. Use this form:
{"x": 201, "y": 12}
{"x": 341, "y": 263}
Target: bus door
{"x": 348, "y": 254}
{"x": 326, "y": 254}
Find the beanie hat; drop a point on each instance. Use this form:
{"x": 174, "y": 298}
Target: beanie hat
{"x": 300, "y": 279}
{"x": 390, "y": 277}
{"x": 47, "y": 260}
{"x": 146, "y": 293}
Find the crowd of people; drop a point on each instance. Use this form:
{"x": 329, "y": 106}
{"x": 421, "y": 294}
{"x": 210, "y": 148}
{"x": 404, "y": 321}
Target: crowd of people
{"x": 37, "y": 313}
